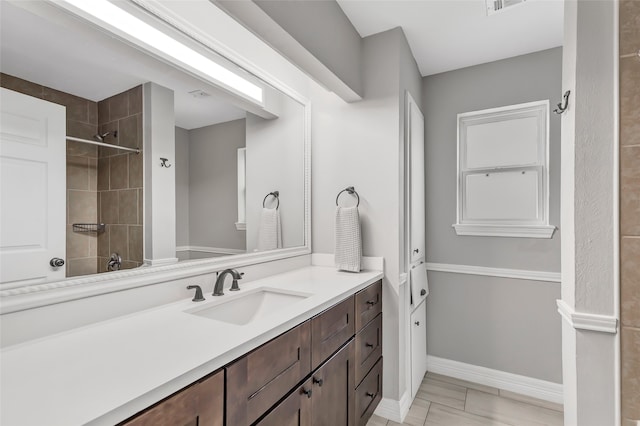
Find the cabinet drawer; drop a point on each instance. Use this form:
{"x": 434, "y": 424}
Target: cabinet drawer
{"x": 368, "y": 304}
{"x": 369, "y": 394}
{"x": 330, "y": 330}
{"x": 368, "y": 347}
{"x": 259, "y": 379}
{"x": 202, "y": 403}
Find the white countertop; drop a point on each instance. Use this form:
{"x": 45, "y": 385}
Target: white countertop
{"x": 106, "y": 372}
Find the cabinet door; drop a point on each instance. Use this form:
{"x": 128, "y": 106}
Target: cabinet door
{"x": 201, "y": 404}
{"x": 418, "y": 346}
{"x": 258, "y": 380}
{"x": 295, "y": 410}
{"x": 330, "y": 330}
{"x": 333, "y": 386}
{"x": 368, "y": 394}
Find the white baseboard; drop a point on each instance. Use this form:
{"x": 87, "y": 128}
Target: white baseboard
{"x": 394, "y": 410}
{"x": 524, "y": 385}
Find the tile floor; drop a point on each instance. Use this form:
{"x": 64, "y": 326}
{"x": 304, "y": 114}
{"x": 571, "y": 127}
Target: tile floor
{"x": 445, "y": 401}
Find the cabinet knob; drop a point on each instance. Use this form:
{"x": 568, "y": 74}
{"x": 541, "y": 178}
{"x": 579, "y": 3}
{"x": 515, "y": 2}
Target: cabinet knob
{"x": 306, "y": 392}
{"x": 423, "y": 292}
{"x": 371, "y": 302}
{"x": 370, "y": 395}
{"x": 416, "y": 251}
{"x": 369, "y": 345}
{"x": 417, "y": 323}
{"x": 318, "y": 382}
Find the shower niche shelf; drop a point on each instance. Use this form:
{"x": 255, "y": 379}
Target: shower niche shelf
{"x": 89, "y": 227}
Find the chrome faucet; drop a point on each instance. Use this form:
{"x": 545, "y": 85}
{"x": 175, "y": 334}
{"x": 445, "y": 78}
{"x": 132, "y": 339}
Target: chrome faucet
{"x": 218, "y": 287}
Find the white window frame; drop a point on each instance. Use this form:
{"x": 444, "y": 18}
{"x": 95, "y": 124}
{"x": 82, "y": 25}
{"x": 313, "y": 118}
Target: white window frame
{"x": 500, "y": 227}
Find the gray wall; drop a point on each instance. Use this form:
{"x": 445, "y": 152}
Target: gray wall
{"x": 275, "y": 162}
{"x": 325, "y": 31}
{"x": 518, "y": 307}
{"x": 182, "y": 187}
{"x": 213, "y": 185}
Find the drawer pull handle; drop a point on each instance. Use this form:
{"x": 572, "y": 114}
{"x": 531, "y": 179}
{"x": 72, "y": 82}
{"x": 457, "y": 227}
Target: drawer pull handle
{"x": 417, "y": 323}
{"x": 307, "y": 392}
{"x": 369, "y": 345}
{"x": 319, "y": 382}
{"x": 370, "y": 395}
{"x": 371, "y": 302}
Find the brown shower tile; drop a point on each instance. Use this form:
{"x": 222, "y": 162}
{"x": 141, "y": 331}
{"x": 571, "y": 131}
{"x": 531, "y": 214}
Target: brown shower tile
{"x": 78, "y": 173}
{"x": 93, "y": 174}
{"x": 127, "y": 264}
{"x": 77, "y": 244}
{"x": 80, "y": 149}
{"x": 630, "y": 342}
{"x": 629, "y": 26}
{"x": 103, "y": 111}
{"x": 23, "y": 86}
{"x": 128, "y": 133}
{"x": 135, "y": 170}
{"x": 102, "y": 264}
{"x": 77, "y": 267}
{"x": 119, "y": 240}
{"x": 629, "y": 101}
{"x": 630, "y": 281}
{"x": 103, "y": 173}
{"x": 112, "y": 129}
{"x": 109, "y": 207}
{"x": 93, "y": 243}
{"x": 82, "y": 207}
{"x": 118, "y": 106}
{"x": 140, "y": 206}
{"x": 135, "y": 243}
{"x": 630, "y": 190}
{"x": 77, "y": 107}
{"x": 119, "y": 172}
{"x": 82, "y": 130}
{"x": 128, "y": 206}
{"x": 103, "y": 242}
{"x": 93, "y": 113}
{"x": 135, "y": 100}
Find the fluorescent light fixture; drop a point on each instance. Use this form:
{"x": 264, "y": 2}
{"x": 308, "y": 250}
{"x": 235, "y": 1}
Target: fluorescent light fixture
{"x": 112, "y": 15}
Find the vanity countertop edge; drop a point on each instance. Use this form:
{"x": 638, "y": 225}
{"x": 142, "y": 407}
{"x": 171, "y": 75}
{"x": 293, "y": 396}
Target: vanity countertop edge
{"x": 149, "y": 355}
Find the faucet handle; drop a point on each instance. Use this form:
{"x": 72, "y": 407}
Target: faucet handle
{"x": 236, "y": 276}
{"x": 198, "y": 296}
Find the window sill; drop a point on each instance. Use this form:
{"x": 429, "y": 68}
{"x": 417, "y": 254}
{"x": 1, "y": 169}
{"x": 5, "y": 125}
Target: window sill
{"x": 241, "y": 226}
{"x": 512, "y": 231}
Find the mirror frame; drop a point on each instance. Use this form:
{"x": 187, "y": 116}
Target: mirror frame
{"x": 28, "y": 297}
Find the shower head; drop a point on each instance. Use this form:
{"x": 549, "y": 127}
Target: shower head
{"x": 100, "y": 137}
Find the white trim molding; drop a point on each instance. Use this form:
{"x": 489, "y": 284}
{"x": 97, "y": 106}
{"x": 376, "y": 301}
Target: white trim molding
{"x": 519, "y": 274}
{"x": 393, "y": 410}
{"x": 523, "y": 385}
{"x": 587, "y": 321}
{"x": 512, "y": 231}
{"x": 217, "y": 250}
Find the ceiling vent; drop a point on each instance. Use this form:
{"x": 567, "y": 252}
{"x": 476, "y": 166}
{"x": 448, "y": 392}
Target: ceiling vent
{"x": 494, "y": 6}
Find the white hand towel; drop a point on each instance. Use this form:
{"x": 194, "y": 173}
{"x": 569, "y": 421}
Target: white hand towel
{"x": 269, "y": 230}
{"x": 348, "y": 248}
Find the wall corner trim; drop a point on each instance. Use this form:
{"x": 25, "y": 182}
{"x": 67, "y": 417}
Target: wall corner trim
{"x": 587, "y": 321}
{"x": 394, "y": 410}
{"x": 520, "y": 274}
{"x": 524, "y": 385}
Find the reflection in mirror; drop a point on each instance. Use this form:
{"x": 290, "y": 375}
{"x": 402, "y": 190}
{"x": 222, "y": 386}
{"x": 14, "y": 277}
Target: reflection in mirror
{"x": 227, "y": 159}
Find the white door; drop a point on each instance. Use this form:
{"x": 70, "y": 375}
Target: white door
{"x": 418, "y": 347}
{"x": 415, "y": 129}
{"x": 32, "y": 189}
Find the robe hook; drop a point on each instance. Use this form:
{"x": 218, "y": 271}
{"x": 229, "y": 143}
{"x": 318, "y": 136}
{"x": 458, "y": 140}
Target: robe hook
{"x": 562, "y": 108}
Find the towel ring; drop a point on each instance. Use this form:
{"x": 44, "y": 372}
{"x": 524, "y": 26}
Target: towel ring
{"x": 351, "y": 191}
{"x": 276, "y": 195}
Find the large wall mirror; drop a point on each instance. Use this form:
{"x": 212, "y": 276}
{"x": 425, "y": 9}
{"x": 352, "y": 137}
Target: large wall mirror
{"x": 185, "y": 169}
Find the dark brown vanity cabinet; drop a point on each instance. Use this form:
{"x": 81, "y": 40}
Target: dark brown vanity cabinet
{"x": 326, "y": 371}
{"x": 200, "y": 404}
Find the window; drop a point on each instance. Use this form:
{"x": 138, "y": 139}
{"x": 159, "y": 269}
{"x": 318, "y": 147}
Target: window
{"x": 503, "y": 175}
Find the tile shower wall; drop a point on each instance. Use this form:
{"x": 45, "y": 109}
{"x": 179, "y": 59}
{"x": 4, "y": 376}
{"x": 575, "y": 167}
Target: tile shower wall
{"x": 119, "y": 180}
{"x": 630, "y": 209}
{"x": 82, "y": 195}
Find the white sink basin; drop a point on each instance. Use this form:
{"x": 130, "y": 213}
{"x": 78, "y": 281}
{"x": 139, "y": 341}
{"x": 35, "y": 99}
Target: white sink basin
{"x": 248, "y": 307}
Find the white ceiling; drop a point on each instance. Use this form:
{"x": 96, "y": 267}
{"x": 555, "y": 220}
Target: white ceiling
{"x": 450, "y": 34}
{"x": 74, "y": 57}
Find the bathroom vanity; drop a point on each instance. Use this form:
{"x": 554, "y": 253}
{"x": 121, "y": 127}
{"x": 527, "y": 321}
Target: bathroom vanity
{"x": 316, "y": 358}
